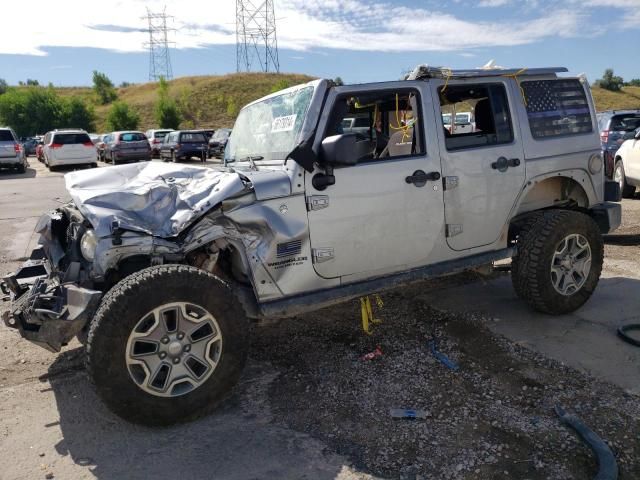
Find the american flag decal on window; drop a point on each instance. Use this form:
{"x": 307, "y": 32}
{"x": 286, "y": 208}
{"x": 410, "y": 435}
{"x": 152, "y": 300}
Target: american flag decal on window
{"x": 290, "y": 248}
{"x": 557, "y": 107}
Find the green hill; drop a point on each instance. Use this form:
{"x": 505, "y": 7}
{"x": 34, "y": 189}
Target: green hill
{"x": 205, "y": 102}
{"x": 214, "y": 101}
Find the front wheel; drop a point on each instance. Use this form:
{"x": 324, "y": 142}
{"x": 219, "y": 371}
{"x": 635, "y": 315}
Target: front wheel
{"x": 167, "y": 344}
{"x": 628, "y": 191}
{"x": 559, "y": 260}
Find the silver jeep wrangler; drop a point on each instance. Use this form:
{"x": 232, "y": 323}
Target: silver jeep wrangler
{"x": 158, "y": 267}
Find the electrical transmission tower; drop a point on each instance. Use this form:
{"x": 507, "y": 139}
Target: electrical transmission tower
{"x": 158, "y": 44}
{"x": 256, "y": 39}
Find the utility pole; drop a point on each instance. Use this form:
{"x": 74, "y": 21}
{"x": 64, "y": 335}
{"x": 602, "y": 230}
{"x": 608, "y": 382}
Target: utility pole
{"x": 256, "y": 38}
{"x": 158, "y": 44}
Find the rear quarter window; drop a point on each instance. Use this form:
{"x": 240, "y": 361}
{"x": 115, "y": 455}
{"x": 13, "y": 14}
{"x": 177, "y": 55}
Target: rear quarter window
{"x": 625, "y": 123}
{"x": 557, "y": 108}
{"x": 6, "y": 136}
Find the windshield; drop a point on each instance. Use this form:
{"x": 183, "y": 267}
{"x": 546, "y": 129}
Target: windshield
{"x": 270, "y": 128}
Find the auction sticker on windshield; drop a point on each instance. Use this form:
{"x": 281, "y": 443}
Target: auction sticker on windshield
{"x": 283, "y": 124}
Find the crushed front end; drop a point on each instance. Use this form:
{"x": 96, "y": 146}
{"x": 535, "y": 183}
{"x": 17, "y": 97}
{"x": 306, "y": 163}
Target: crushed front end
{"x": 51, "y": 299}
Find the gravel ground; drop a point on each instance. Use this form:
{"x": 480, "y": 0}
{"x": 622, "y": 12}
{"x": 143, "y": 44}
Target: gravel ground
{"x": 492, "y": 418}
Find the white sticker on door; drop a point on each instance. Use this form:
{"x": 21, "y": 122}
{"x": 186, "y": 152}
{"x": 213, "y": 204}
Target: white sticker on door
{"x": 283, "y": 124}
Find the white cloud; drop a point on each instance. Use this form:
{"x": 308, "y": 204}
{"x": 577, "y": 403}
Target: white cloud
{"x": 375, "y": 25}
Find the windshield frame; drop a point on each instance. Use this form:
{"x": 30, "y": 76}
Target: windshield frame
{"x": 309, "y": 123}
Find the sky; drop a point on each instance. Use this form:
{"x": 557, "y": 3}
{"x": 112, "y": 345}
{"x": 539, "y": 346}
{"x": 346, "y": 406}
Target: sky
{"x": 358, "y": 40}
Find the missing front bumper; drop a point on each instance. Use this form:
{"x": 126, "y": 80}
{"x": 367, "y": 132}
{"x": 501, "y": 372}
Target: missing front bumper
{"x": 44, "y": 311}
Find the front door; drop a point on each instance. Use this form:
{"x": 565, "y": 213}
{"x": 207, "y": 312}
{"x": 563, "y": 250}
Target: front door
{"x": 484, "y": 168}
{"x": 385, "y": 212}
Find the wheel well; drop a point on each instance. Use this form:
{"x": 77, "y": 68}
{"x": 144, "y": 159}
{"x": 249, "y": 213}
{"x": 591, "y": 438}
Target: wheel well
{"x": 554, "y": 192}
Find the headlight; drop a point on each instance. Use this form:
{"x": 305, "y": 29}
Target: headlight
{"x": 88, "y": 244}
{"x": 595, "y": 163}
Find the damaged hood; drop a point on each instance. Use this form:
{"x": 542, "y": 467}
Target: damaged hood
{"x": 158, "y": 198}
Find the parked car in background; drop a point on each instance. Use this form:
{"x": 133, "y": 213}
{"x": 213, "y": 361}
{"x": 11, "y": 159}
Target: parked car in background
{"x": 156, "y": 137}
{"x": 218, "y": 142}
{"x": 184, "y": 145}
{"x": 463, "y": 123}
{"x": 11, "y": 152}
{"x": 208, "y": 132}
{"x": 68, "y": 147}
{"x": 613, "y": 125}
{"x": 29, "y": 145}
{"x": 627, "y": 164}
{"x": 100, "y": 146}
{"x": 39, "y": 150}
{"x": 356, "y": 124}
{"x": 126, "y": 146}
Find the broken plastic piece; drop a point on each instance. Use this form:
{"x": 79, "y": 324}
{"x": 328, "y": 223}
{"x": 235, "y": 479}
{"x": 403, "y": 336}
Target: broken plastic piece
{"x": 371, "y": 355}
{"x": 608, "y": 468}
{"x": 407, "y": 413}
{"x": 441, "y": 357}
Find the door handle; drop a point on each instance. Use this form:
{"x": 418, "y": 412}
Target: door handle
{"x": 502, "y": 164}
{"x": 420, "y": 178}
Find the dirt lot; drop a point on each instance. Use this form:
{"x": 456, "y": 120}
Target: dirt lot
{"x": 310, "y": 407}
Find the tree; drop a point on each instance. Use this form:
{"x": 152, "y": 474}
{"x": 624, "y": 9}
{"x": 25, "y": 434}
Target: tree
{"x": 610, "y": 82}
{"x": 30, "y": 111}
{"x": 3, "y": 86}
{"x": 167, "y": 114}
{"x": 634, "y": 82}
{"x": 78, "y": 115}
{"x": 338, "y": 81}
{"x": 103, "y": 87}
{"x": 32, "y": 83}
{"x": 122, "y": 117}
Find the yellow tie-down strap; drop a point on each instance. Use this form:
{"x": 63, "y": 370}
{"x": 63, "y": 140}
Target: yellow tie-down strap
{"x": 366, "y": 312}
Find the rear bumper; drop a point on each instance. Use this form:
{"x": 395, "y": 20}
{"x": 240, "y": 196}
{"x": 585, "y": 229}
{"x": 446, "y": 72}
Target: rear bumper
{"x": 191, "y": 153}
{"x": 56, "y": 162}
{"x": 45, "y": 311}
{"x": 124, "y": 156}
{"x": 607, "y": 215}
{"x": 10, "y": 161}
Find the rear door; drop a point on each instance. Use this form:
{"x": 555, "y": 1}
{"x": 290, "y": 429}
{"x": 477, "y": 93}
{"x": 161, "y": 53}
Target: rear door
{"x": 133, "y": 144}
{"x": 7, "y": 144}
{"x": 484, "y": 170}
{"x": 73, "y": 146}
{"x": 192, "y": 142}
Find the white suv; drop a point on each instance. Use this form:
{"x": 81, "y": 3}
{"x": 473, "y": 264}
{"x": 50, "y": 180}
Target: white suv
{"x": 69, "y": 147}
{"x": 11, "y": 152}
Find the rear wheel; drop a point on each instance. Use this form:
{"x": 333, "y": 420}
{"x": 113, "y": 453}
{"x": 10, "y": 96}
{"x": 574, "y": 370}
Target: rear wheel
{"x": 167, "y": 344}
{"x": 559, "y": 260}
{"x": 21, "y": 168}
{"x": 628, "y": 191}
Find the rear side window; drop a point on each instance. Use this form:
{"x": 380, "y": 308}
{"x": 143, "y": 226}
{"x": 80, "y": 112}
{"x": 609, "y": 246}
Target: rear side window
{"x": 71, "y": 138}
{"x": 489, "y": 107}
{"x": 132, "y": 137}
{"x": 192, "y": 137}
{"x": 625, "y": 123}
{"x": 557, "y": 108}
{"x": 6, "y": 136}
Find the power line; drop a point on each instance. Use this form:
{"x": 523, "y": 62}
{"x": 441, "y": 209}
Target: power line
{"x": 256, "y": 39}
{"x": 158, "y": 44}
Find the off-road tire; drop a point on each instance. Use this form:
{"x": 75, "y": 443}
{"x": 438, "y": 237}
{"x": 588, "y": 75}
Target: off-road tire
{"x": 120, "y": 310}
{"x": 627, "y": 191}
{"x": 539, "y": 234}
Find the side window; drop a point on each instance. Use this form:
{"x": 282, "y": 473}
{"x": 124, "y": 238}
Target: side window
{"x": 475, "y": 116}
{"x": 557, "y": 108}
{"x": 385, "y": 123}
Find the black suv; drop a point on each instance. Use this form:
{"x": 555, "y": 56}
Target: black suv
{"x": 613, "y": 125}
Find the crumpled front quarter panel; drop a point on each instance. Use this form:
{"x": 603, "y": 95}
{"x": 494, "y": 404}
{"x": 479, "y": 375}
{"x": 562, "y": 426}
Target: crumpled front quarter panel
{"x": 156, "y": 198}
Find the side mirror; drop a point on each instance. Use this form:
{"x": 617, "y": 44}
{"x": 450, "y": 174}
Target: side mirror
{"x": 345, "y": 149}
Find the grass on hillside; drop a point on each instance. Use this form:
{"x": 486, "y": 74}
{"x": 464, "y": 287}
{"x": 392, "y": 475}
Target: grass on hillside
{"x": 214, "y": 101}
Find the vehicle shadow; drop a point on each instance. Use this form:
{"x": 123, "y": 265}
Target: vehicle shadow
{"x": 238, "y": 441}
{"x": 9, "y": 174}
{"x": 622, "y": 239}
